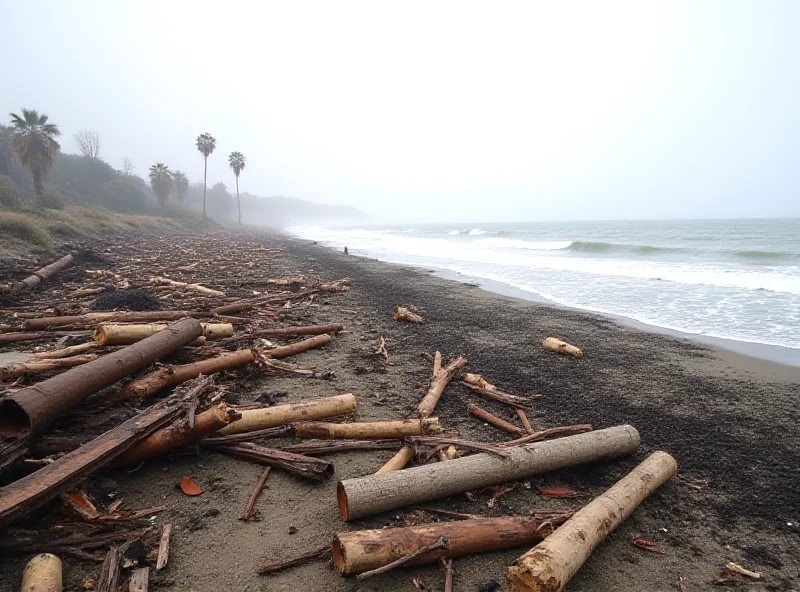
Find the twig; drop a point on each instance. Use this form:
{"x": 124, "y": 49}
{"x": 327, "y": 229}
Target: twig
{"x": 314, "y": 447}
{"x": 163, "y": 547}
{"x": 550, "y": 434}
{"x": 248, "y": 509}
{"x": 456, "y": 442}
{"x": 247, "y": 436}
{"x": 440, "y": 544}
{"x": 524, "y": 419}
{"x": 512, "y": 400}
{"x": 322, "y": 551}
{"x": 450, "y": 513}
{"x": 448, "y": 574}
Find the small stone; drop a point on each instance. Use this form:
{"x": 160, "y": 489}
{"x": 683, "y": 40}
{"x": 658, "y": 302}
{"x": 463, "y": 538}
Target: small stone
{"x": 292, "y": 530}
{"x": 489, "y": 586}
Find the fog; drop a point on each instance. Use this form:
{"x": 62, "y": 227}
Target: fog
{"x": 444, "y": 111}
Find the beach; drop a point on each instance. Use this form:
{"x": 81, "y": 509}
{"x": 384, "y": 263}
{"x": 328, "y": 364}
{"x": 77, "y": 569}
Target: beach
{"x": 730, "y": 421}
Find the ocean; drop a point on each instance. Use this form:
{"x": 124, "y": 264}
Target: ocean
{"x": 732, "y": 279}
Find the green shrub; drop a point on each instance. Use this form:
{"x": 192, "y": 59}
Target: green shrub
{"x": 50, "y": 200}
{"x": 24, "y": 229}
{"x": 10, "y": 195}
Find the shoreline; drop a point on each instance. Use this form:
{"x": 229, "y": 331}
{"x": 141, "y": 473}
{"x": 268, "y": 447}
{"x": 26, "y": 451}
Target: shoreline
{"x": 778, "y": 355}
{"x": 742, "y": 352}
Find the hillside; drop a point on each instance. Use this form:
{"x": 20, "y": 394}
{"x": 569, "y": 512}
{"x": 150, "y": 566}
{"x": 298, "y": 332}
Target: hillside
{"x": 280, "y": 212}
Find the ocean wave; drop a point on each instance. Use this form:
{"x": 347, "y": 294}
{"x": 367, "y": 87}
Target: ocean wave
{"x": 766, "y": 255}
{"x": 601, "y": 247}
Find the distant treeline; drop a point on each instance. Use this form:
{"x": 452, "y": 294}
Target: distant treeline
{"x": 52, "y": 179}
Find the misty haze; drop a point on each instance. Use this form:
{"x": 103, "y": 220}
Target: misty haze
{"x": 434, "y": 295}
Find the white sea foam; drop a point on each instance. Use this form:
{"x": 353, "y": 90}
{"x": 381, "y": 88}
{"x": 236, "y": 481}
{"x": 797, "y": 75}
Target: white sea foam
{"x": 665, "y": 286}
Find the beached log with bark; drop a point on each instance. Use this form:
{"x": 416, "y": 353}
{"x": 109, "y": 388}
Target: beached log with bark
{"x": 291, "y": 331}
{"x": 441, "y": 377}
{"x": 550, "y": 565}
{"x": 252, "y": 420}
{"x": 372, "y": 494}
{"x": 296, "y": 464}
{"x": 166, "y": 376}
{"x": 180, "y": 433}
{"x": 366, "y": 430}
{"x": 33, "y": 408}
{"x": 363, "y": 550}
{"x": 93, "y": 318}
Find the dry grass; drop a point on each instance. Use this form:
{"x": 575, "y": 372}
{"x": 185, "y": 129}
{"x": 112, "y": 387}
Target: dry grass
{"x": 39, "y": 229}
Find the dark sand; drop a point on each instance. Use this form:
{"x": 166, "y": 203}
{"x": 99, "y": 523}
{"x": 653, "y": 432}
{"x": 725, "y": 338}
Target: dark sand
{"x": 731, "y": 422}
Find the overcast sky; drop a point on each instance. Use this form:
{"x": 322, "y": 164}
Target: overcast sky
{"x": 435, "y": 111}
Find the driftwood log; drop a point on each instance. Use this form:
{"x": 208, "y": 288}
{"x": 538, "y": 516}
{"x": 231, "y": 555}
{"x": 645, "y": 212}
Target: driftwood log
{"x": 402, "y": 313}
{"x": 150, "y": 384}
{"x": 478, "y": 384}
{"x": 93, "y": 318}
{"x": 288, "y": 331}
{"x": 372, "y": 494}
{"x": 297, "y": 464}
{"x": 562, "y": 347}
{"x": 285, "y": 351}
{"x": 441, "y": 376}
{"x": 398, "y": 461}
{"x": 43, "y": 274}
{"x": 550, "y": 565}
{"x": 492, "y": 419}
{"x": 40, "y": 366}
{"x": 366, "y": 430}
{"x": 119, "y": 334}
{"x": 42, "y": 574}
{"x": 34, "y": 407}
{"x": 363, "y": 550}
{"x": 178, "y": 434}
{"x": 269, "y": 417}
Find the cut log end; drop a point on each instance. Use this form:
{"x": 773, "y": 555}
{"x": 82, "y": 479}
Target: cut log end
{"x": 13, "y": 418}
{"x": 341, "y": 501}
{"x": 42, "y": 574}
{"x": 339, "y": 555}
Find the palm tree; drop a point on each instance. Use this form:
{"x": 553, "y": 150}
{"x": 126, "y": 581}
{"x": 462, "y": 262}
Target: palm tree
{"x": 161, "y": 182}
{"x": 33, "y": 142}
{"x": 205, "y": 144}
{"x": 180, "y": 183}
{"x": 236, "y": 161}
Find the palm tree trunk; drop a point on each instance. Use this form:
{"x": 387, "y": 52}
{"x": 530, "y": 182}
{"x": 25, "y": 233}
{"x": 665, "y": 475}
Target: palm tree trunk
{"x": 238, "y": 201}
{"x": 205, "y": 172}
{"x": 38, "y": 186}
